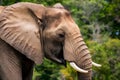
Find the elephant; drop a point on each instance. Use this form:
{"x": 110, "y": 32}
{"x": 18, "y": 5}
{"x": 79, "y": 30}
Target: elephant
{"x": 29, "y": 32}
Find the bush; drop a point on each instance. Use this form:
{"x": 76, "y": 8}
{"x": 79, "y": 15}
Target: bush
{"x": 47, "y": 70}
{"x": 108, "y": 54}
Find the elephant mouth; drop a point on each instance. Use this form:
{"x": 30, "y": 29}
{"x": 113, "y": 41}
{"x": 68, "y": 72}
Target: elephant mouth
{"x": 58, "y": 57}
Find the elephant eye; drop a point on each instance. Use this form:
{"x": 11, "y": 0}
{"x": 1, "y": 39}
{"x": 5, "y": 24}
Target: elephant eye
{"x": 61, "y": 35}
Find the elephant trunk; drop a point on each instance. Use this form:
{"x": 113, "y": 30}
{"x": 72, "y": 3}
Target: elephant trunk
{"x": 87, "y": 76}
{"x": 83, "y": 59}
{"x": 79, "y": 55}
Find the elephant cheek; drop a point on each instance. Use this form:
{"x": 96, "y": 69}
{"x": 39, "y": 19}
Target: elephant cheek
{"x": 68, "y": 52}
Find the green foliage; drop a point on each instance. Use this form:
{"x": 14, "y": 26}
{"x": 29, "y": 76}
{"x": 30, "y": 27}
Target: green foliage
{"x": 108, "y": 55}
{"x": 68, "y": 73}
{"x": 48, "y": 70}
{"x": 111, "y": 12}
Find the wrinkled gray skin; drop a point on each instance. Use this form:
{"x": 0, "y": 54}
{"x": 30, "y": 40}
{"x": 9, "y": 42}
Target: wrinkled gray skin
{"x": 29, "y": 32}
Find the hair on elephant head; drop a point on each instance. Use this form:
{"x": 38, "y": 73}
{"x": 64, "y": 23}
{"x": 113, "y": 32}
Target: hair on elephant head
{"x": 37, "y": 32}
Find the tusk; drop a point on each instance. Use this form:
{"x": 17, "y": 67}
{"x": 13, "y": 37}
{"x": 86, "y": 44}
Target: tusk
{"x": 73, "y": 65}
{"x": 95, "y": 64}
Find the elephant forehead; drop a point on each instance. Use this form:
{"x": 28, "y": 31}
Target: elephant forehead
{"x": 56, "y": 11}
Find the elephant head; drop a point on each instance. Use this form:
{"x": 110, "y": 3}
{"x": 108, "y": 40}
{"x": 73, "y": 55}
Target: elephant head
{"x": 37, "y": 32}
{"x": 63, "y": 41}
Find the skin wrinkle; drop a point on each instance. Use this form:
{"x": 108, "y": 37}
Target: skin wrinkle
{"x": 77, "y": 37}
{"x": 81, "y": 60}
{"x": 79, "y": 48}
{"x": 82, "y": 53}
{"x": 4, "y": 29}
{"x": 14, "y": 63}
{"x": 85, "y": 63}
{"x": 78, "y": 41}
{"x": 15, "y": 39}
{"x": 11, "y": 37}
{"x": 80, "y": 45}
{"x": 20, "y": 40}
{"x": 26, "y": 44}
{"x": 2, "y": 21}
{"x": 74, "y": 34}
{"x": 9, "y": 58}
{"x": 7, "y": 34}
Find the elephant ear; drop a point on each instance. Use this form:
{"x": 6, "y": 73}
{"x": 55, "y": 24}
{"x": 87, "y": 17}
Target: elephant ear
{"x": 20, "y": 29}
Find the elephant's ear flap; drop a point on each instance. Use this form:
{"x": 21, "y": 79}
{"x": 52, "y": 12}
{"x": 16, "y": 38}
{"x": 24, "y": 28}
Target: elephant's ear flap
{"x": 19, "y": 28}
